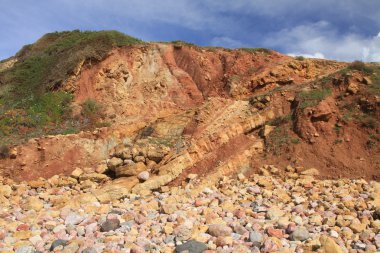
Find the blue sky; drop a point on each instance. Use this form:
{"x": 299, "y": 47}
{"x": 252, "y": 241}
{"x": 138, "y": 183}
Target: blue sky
{"x": 344, "y": 30}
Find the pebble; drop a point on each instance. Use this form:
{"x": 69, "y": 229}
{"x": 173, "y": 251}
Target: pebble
{"x": 73, "y": 219}
{"x": 219, "y": 230}
{"x": 25, "y": 249}
{"x": 110, "y": 225}
{"x": 191, "y": 246}
{"x": 300, "y": 234}
{"x": 143, "y": 176}
{"x": 58, "y": 243}
{"x": 256, "y": 238}
{"x": 253, "y": 214}
{"x": 90, "y": 250}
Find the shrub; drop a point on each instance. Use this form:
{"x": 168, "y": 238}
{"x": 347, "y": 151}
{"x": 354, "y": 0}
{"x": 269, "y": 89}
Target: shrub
{"x": 277, "y": 139}
{"x": 370, "y": 144}
{"x": 368, "y": 122}
{"x": 300, "y": 58}
{"x": 295, "y": 141}
{"x": 90, "y": 109}
{"x": 312, "y": 98}
{"x": 4, "y": 151}
{"x": 280, "y": 120}
{"x": 361, "y": 66}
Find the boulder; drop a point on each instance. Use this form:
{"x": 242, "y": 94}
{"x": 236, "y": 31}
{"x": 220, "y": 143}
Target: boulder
{"x": 114, "y": 162}
{"x": 353, "y": 88}
{"x": 310, "y": 172}
{"x": 131, "y": 170}
{"x": 219, "y": 230}
{"x": 329, "y": 245}
{"x": 266, "y": 130}
{"x": 95, "y": 177}
{"x": 33, "y": 203}
{"x": 156, "y": 155}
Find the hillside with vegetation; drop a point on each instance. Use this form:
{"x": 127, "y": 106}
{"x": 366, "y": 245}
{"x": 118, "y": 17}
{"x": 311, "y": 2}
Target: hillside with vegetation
{"x": 111, "y": 144}
{"x": 32, "y": 102}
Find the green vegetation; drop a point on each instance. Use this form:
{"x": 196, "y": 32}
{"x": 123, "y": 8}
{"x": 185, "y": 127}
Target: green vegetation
{"x": 277, "y": 139}
{"x": 234, "y": 78}
{"x": 30, "y": 101}
{"x": 375, "y": 87}
{"x": 312, "y": 98}
{"x": 180, "y": 43}
{"x": 295, "y": 141}
{"x": 372, "y": 141}
{"x": 90, "y": 108}
{"x": 45, "y": 65}
{"x": 300, "y": 58}
{"x": 371, "y": 70}
{"x": 92, "y": 114}
{"x": 351, "y": 112}
{"x": 4, "y": 151}
{"x": 337, "y": 129}
{"x": 367, "y": 121}
{"x": 257, "y": 50}
{"x": 361, "y": 66}
{"x": 280, "y": 120}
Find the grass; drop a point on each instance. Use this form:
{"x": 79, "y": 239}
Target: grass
{"x": 362, "y": 67}
{"x": 90, "y": 108}
{"x": 31, "y": 103}
{"x": 280, "y": 120}
{"x": 277, "y": 139}
{"x": 45, "y": 65}
{"x": 257, "y": 50}
{"x": 352, "y": 113}
{"x": 313, "y": 97}
{"x": 367, "y": 121}
{"x": 295, "y": 141}
{"x": 180, "y": 43}
{"x": 374, "y": 89}
{"x": 234, "y": 78}
{"x": 337, "y": 129}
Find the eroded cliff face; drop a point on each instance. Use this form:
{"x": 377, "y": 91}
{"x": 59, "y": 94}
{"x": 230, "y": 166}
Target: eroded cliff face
{"x": 205, "y": 108}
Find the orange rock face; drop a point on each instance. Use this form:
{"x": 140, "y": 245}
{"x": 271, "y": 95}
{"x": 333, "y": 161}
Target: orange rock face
{"x": 196, "y": 103}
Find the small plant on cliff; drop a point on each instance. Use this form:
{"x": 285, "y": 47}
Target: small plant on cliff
{"x": 312, "y": 98}
{"x": 90, "y": 108}
{"x": 361, "y": 66}
{"x": 280, "y": 120}
{"x": 4, "y": 151}
{"x": 277, "y": 139}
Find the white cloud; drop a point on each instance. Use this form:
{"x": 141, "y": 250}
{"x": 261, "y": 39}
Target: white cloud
{"x": 321, "y": 39}
{"x": 315, "y": 55}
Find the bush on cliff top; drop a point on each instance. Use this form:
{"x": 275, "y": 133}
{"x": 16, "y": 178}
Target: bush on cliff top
{"x": 30, "y": 99}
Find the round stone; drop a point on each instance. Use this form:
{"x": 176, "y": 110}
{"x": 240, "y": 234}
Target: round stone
{"x": 110, "y": 225}
{"x": 143, "y": 176}
{"x": 191, "y": 246}
{"x": 300, "y": 234}
{"x": 256, "y": 238}
{"x": 58, "y": 243}
{"x": 219, "y": 230}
